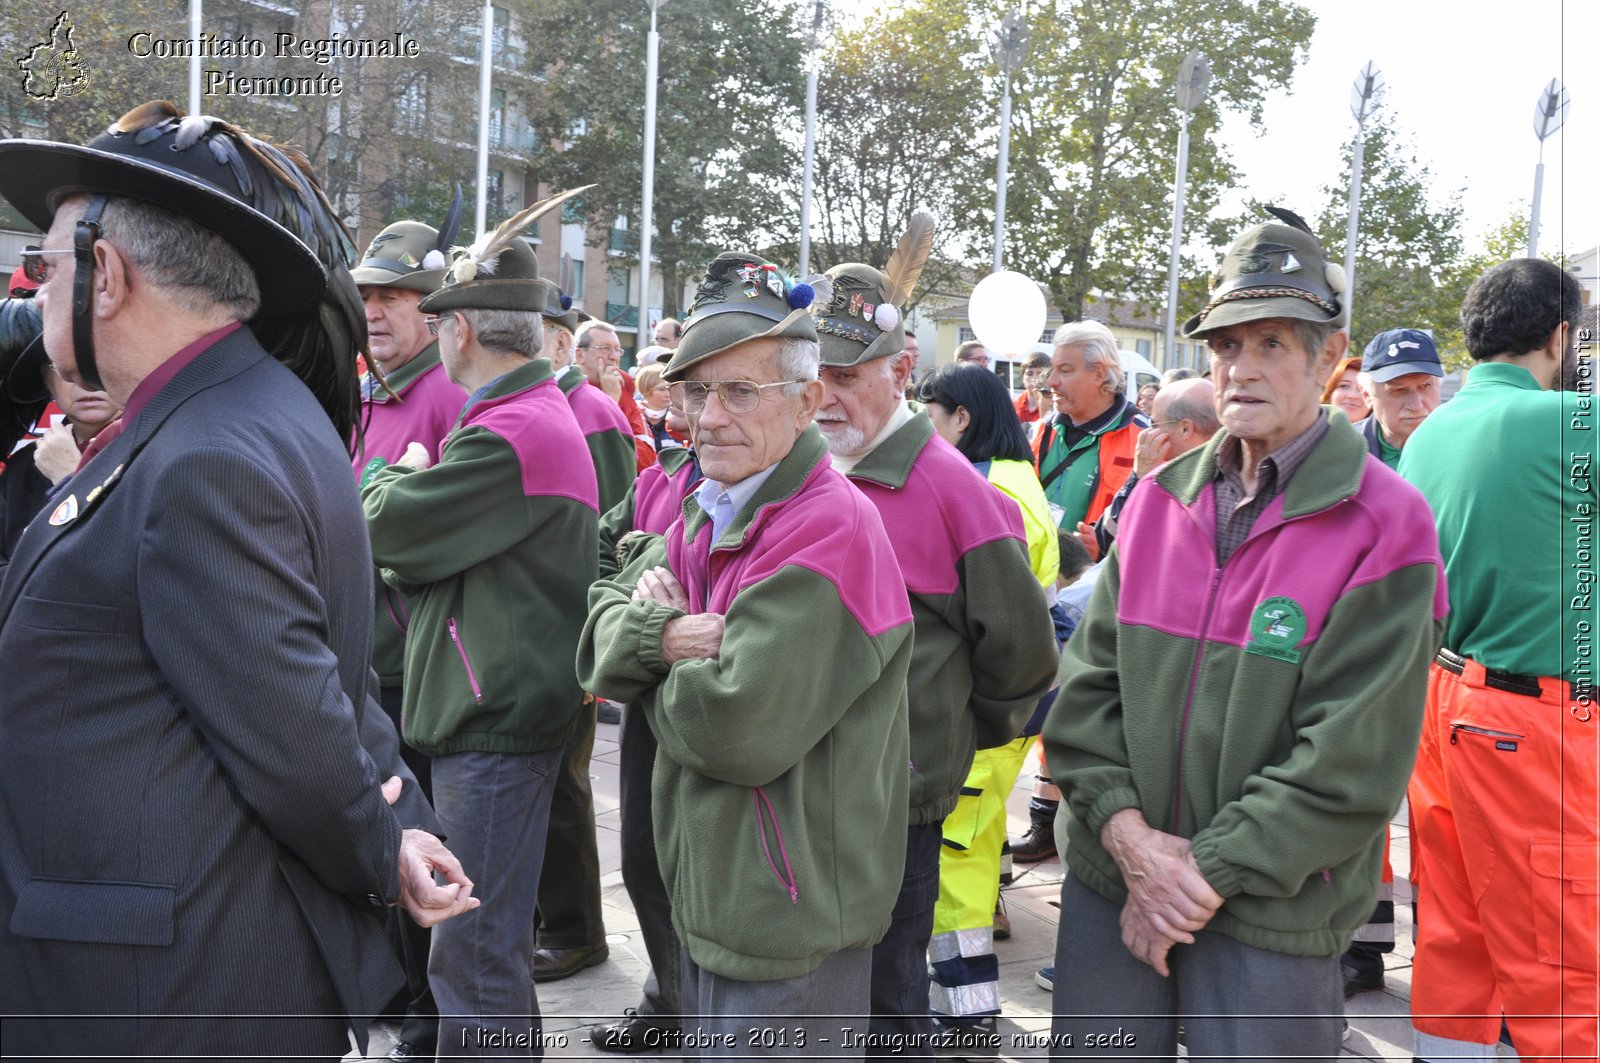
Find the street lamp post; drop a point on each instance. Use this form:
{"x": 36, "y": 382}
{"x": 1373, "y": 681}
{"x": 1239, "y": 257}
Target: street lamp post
{"x": 1363, "y": 100}
{"x": 194, "y": 60}
{"x": 1548, "y": 115}
{"x": 812, "y": 62}
{"x": 647, "y": 222}
{"x": 485, "y": 76}
{"x": 1010, "y": 46}
{"x": 1194, "y": 75}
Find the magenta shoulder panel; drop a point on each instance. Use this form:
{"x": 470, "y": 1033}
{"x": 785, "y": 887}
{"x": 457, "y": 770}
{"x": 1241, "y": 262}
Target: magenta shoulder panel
{"x": 425, "y": 412}
{"x": 595, "y": 412}
{"x": 945, "y": 510}
{"x": 658, "y": 498}
{"x": 539, "y": 426}
{"x": 1168, "y": 558}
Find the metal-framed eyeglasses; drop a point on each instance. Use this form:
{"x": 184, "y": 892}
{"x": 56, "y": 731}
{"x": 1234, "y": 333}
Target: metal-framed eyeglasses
{"x": 34, "y": 265}
{"x": 736, "y": 396}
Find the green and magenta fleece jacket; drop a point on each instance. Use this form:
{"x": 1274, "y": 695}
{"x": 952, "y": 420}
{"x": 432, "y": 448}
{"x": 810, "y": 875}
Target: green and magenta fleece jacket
{"x": 606, "y": 432}
{"x": 781, "y": 776}
{"x": 1268, "y": 709}
{"x": 495, "y": 546}
{"x": 654, "y": 500}
{"x": 424, "y": 408}
{"x": 985, "y": 649}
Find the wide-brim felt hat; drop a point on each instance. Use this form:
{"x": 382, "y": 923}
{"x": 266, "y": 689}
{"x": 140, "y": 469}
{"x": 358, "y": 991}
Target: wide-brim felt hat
{"x": 558, "y": 310}
{"x": 851, "y": 327}
{"x": 398, "y": 257}
{"x": 36, "y": 175}
{"x": 508, "y": 280}
{"x": 1274, "y": 270}
{"x": 742, "y": 297}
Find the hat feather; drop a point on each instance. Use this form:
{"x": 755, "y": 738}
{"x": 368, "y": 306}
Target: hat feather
{"x": 910, "y": 255}
{"x": 485, "y": 251}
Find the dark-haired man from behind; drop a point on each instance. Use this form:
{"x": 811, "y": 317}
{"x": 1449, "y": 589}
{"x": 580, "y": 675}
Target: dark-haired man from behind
{"x": 1503, "y": 802}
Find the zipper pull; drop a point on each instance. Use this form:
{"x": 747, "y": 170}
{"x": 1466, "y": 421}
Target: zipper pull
{"x": 1453, "y": 728}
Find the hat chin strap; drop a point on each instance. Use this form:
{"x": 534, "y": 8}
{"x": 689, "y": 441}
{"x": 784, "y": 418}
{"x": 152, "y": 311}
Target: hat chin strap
{"x": 84, "y": 238}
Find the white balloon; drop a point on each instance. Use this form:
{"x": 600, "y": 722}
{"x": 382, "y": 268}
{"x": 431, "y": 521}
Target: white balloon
{"x": 1007, "y": 312}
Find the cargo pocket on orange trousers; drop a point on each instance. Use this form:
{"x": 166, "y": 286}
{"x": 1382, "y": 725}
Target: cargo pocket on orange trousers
{"x": 1566, "y": 895}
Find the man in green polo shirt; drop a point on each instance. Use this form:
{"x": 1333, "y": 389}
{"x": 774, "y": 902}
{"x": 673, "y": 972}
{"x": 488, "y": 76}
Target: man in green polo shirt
{"x": 1504, "y": 817}
{"x": 1400, "y": 374}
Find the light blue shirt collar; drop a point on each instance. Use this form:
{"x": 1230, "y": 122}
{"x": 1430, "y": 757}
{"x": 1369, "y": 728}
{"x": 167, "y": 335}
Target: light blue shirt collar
{"x": 725, "y": 503}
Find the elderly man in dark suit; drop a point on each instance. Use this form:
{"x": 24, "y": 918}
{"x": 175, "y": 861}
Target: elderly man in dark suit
{"x": 198, "y": 831}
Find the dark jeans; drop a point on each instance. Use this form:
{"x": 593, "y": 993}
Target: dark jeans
{"x": 1234, "y": 1001}
{"x": 494, "y": 808}
{"x": 641, "y": 873}
{"x": 569, "y": 903}
{"x": 900, "y": 960}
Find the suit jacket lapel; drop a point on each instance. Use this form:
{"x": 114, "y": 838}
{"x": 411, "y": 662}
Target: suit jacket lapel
{"x": 90, "y": 485}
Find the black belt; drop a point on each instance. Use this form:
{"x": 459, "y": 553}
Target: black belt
{"x": 1510, "y": 682}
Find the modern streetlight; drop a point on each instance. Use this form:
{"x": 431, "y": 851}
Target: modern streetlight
{"x": 1194, "y": 77}
{"x": 194, "y": 60}
{"x": 652, "y": 51}
{"x": 1548, "y": 115}
{"x": 812, "y": 62}
{"x": 485, "y": 76}
{"x": 1010, "y": 46}
{"x": 1363, "y": 101}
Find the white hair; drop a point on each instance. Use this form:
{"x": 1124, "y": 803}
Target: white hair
{"x": 798, "y": 359}
{"x": 1099, "y": 348}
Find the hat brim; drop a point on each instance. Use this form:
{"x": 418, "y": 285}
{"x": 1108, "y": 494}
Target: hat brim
{"x": 1399, "y": 369}
{"x": 36, "y": 175}
{"x": 568, "y": 321}
{"x": 714, "y": 335}
{"x": 1241, "y": 311}
{"x": 426, "y": 281}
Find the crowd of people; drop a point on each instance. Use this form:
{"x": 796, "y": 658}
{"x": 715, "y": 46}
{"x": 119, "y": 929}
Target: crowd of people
{"x": 304, "y": 668}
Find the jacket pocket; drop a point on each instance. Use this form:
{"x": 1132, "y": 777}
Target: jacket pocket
{"x": 466, "y": 662}
{"x": 1566, "y": 888}
{"x": 785, "y": 876}
{"x": 105, "y": 913}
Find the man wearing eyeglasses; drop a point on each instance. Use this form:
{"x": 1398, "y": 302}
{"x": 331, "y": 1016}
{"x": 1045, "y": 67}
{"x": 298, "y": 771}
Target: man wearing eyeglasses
{"x": 598, "y": 354}
{"x": 766, "y": 637}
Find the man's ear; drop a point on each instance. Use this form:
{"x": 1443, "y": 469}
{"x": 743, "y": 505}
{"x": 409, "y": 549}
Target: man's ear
{"x": 1333, "y": 351}
{"x": 114, "y": 277}
{"x": 810, "y": 401}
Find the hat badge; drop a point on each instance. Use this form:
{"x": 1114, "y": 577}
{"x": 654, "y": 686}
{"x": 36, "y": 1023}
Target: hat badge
{"x": 1290, "y": 263}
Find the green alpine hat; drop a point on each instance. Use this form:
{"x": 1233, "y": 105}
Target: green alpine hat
{"x": 405, "y": 255}
{"x": 506, "y": 278}
{"x": 558, "y": 311}
{"x": 1276, "y": 269}
{"x": 858, "y": 309}
{"x": 743, "y": 297}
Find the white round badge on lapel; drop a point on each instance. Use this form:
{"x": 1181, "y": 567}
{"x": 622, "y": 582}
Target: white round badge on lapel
{"x": 66, "y": 512}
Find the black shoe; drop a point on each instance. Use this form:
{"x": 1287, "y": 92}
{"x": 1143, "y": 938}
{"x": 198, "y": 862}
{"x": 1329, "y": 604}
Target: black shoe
{"x": 608, "y": 711}
{"x": 1360, "y": 981}
{"x": 1038, "y": 844}
{"x": 636, "y": 1033}
{"x": 552, "y": 965}
{"x": 402, "y": 1052}
{"x": 1002, "y": 921}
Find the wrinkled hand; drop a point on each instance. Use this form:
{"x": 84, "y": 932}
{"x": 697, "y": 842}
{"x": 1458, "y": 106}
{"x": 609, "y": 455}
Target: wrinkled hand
{"x": 421, "y": 855}
{"x": 56, "y": 454}
{"x": 1168, "y": 897}
{"x": 415, "y": 457}
{"x": 611, "y": 383}
{"x": 1153, "y": 448}
{"x": 694, "y": 637}
{"x": 660, "y": 585}
{"x": 1087, "y": 538}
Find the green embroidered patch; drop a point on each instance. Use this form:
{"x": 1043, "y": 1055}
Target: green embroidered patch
{"x": 1276, "y": 628}
{"x": 371, "y": 470}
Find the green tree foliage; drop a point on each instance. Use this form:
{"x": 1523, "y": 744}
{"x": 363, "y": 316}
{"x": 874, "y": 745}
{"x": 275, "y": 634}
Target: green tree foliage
{"x": 1408, "y": 244}
{"x": 729, "y": 87}
{"x": 900, "y": 99}
{"x": 1096, "y": 131}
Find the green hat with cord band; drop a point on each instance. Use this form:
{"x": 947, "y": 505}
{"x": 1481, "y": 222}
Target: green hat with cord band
{"x": 742, "y": 297}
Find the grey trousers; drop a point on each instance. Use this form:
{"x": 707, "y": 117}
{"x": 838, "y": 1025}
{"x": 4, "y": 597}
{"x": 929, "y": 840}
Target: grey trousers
{"x": 818, "y": 1016}
{"x": 641, "y": 872}
{"x": 1234, "y": 1001}
{"x": 569, "y": 903}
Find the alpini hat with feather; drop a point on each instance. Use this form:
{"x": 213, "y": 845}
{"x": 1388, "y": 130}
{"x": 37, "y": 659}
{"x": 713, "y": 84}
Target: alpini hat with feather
{"x": 1275, "y": 269}
{"x": 861, "y": 319}
{"x": 262, "y": 198}
{"x": 499, "y": 270}
{"x": 409, "y": 254}
{"x": 742, "y": 297}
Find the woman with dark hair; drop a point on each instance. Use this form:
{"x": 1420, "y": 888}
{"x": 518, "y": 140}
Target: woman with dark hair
{"x": 971, "y": 409}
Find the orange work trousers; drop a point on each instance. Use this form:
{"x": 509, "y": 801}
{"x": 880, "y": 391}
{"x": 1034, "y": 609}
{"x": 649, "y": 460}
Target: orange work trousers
{"x": 1504, "y": 822}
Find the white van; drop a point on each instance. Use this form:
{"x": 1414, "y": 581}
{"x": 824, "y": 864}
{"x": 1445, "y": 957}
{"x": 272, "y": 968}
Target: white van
{"x": 1136, "y": 369}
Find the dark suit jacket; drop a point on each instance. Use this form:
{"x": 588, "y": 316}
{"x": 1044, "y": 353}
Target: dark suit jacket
{"x": 190, "y": 815}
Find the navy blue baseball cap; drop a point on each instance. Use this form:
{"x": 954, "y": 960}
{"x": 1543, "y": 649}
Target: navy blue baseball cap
{"x": 1398, "y": 352}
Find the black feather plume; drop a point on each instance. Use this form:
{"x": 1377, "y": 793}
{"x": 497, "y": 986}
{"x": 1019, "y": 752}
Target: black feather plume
{"x": 452, "y": 225}
{"x": 1289, "y": 217}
